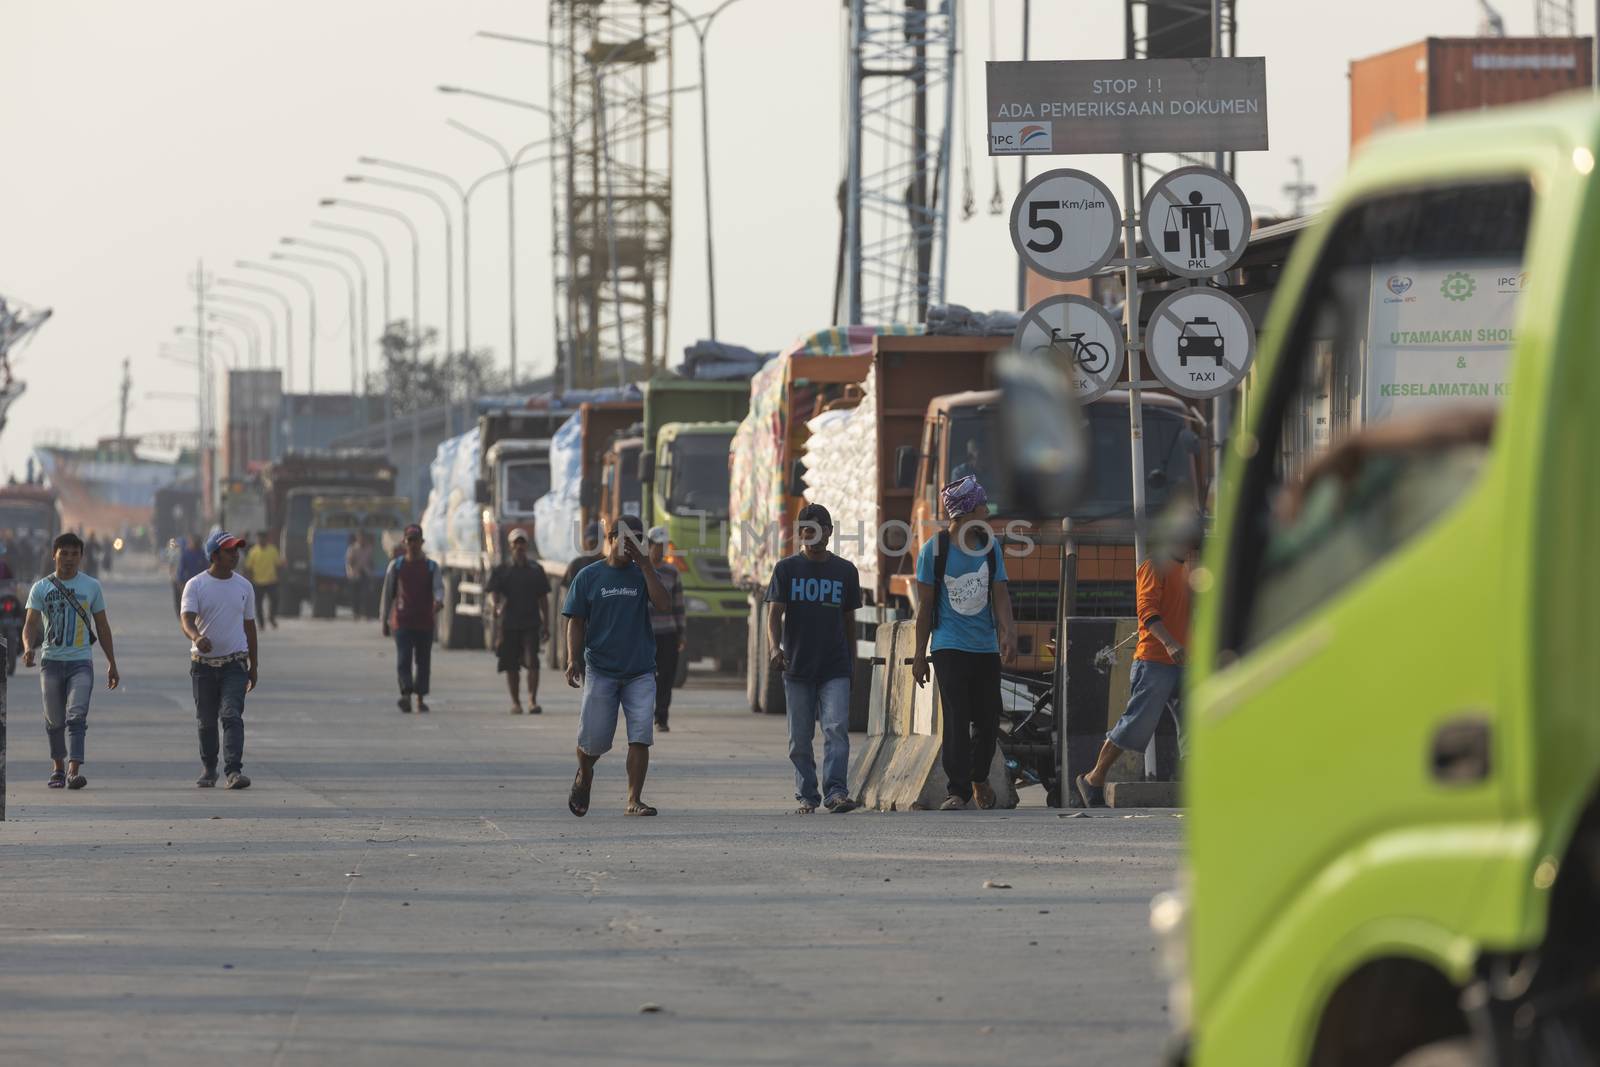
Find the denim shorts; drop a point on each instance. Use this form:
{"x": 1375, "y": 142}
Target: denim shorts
{"x": 1152, "y": 687}
{"x": 603, "y": 695}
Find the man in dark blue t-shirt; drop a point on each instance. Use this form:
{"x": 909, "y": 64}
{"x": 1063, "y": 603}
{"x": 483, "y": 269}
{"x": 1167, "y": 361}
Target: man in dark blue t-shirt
{"x": 814, "y": 595}
{"x": 611, "y": 655}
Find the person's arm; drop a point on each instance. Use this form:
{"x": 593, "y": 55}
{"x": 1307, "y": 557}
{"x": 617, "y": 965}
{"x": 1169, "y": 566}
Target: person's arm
{"x": 1151, "y": 585}
{"x": 387, "y": 598}
{"x": 680, "y": 615}
{"x": 1005, "y": 625}
{"x": 250, "y": 645}
{"x": 32, "y": 636}
{"x": 576, "y": 630}
{"x": 438, "y": 589}
{"x": 775, "y": 634}
{"x": 919, "y": 660}
{"x": 191, "y": 630}
{"x": 102, "y": 630}
{"x": 660, "y": 599}
{"x": 544, "y": 612}
{"x": 1173, "y": 645}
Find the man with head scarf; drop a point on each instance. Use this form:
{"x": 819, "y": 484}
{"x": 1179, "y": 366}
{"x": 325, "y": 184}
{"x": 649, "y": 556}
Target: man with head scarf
{"x": 963, "y": 607}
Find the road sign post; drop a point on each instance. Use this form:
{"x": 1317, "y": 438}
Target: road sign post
{"x": 1078, "y": 336}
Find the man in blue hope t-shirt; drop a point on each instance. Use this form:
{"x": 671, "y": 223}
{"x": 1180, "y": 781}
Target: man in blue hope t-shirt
{"x": 611, "y": 655}
{"x": 963, "y": 616}
{"x": 813, "y": 594}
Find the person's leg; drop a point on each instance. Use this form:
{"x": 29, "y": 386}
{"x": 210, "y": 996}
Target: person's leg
{"x": 1150, "y": 686}
{"x": 597, "y": 728}
{"x": 79, "y": 686}
{"x": 638, "y": 699}
{"x": 984, "y": 671}
{"x": 422, "y": 642}
{"x": 402, "y": 652}
{"x": 530, "y": 659}
{"x": 231, "y": 682}
{"x": 272, "y": 601}
{"x": 666, "y": 671}
{"x": 207, "y": 702}
{"x": 514, "y": 687}
{"x": 261, "y": 602}
{"x": 53, "y": 691}
{"x": 833, "y": 703}
{"x": 800, "y": 709}
{"x": 950, "y": 673}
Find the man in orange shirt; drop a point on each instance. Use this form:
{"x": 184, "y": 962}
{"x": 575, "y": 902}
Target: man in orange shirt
{"x": 1157, "y": 677}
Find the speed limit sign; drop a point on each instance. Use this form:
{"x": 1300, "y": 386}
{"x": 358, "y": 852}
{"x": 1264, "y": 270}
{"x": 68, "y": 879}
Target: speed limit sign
{"x": 1065, "y": 224}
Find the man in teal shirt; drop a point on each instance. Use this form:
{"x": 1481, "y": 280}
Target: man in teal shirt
{"x": 59, "y": 609}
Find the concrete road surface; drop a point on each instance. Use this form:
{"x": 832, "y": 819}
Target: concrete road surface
{"x": 401, "y": 889}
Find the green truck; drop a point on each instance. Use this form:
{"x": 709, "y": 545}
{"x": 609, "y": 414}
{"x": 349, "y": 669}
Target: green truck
{"x": 1394, "y": 827}
{"x": 683, "y": 471}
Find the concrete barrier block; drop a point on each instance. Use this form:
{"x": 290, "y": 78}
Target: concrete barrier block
{"x": 902, "y": 690}
{"x": 1142, "y": 795}
{"x": 882, "y": 674}
{"x": 863, "y": 762}
{"x": 871, "y": 792}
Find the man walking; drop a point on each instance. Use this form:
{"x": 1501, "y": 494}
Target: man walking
{"x": 521, "y": 595}
{"x": 964, "y": 606}
{"x": 219, "y": 616}
{"x": 413, "y": 595}
{"x": 261, "y": 565}
{"x": 671, "y": 627}
{"x": 1156, "y": 679}
{"x": 357, "y": 572}
{"x": 814, "y": 595}
{"x": 58, "y": 610}
{"x": 611, "y": 657}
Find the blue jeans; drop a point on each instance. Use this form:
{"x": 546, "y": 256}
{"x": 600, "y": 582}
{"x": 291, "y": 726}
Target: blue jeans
{"x": 219, "y": 698}
{"x": 66, "y": 685}
{"x": 1153, "y": 687}
{"x": 413, "y": 646}
{"x": 597, "y": 715}
{"x": 807, "y": 702}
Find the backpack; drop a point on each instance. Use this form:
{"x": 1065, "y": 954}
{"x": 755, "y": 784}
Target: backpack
{"x": 941, "y": 556}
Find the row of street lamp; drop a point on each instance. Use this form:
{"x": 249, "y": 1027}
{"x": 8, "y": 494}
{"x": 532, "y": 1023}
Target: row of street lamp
{"x": 300, "y": 260}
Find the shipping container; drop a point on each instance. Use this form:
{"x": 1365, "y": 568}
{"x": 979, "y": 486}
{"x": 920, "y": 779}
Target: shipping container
{"x": 1444, "y": 74}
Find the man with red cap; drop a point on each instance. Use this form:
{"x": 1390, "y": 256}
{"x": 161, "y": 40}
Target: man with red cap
{"x": 218, "y": 612}
{"x": 413, "y": 595}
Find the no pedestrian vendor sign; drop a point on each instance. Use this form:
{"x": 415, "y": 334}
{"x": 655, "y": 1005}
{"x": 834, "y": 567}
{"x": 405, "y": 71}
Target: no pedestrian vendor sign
{"x": 1113, "y": 106}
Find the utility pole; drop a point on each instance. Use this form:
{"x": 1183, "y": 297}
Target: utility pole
{"x": 1022, "y": 161}
{"x": 203, "y": 459}
{"x": 122, "y": 410}
{"x": 1299, "y": 190}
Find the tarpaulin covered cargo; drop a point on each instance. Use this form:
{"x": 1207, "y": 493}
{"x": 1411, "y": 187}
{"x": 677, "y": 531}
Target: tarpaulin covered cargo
{"x": 556, "y": 514}
{"x": 452, "y": 521}
{"x": 757, "y": 496}
{"x": 841, "y": 474}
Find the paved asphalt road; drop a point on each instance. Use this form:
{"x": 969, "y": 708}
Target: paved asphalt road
{"x": 411, "y": 889}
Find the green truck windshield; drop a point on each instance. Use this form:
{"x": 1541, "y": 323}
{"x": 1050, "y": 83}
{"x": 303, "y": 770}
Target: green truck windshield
{"x": 699, "y": 483}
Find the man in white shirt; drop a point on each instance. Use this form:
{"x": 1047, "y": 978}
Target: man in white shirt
{"x": 219, "y": 616}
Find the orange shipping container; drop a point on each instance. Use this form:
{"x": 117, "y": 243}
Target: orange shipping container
{"x": 1444, "y": 74}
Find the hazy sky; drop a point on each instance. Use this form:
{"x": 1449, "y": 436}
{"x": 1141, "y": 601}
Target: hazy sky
{"x": 138, "y": 138}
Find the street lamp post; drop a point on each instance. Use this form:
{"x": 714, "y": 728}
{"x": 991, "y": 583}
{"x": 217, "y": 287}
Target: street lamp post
{"x": 288, "y": 313}
{"x": 311, "y": 334}
{"x": 383, "y": 256}
{"x": 701, "y": 25}
{"x": 350, "y": 293}
{"x": 466, "y": 233}
{"x": 361, "y": 275}
{"x": 416, "y": 334}
{"x": 267, "y": 313}
{"x": 244, "y": 324}
{"x": 449, "y": 245}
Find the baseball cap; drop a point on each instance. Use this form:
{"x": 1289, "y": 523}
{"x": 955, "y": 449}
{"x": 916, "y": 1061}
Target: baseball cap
{"x": 220, "y": 540}
{"x": 413, "y": 528}
{"x": 657, "y": 535}
{"x": 514, "y": 535}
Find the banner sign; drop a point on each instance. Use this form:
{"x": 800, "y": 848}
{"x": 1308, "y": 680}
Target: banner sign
{"x": 1440, "y": 334}
{"x": 1094, "y": 106}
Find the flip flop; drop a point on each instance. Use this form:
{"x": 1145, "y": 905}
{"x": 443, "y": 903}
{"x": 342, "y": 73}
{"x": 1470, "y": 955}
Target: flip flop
{"x": 1093, "y": 796}
{"x": 578, "y": 798}
{"x": 58, "y": 780}
{"x": 639, "y": 809}
{"x": 76, "y": 781}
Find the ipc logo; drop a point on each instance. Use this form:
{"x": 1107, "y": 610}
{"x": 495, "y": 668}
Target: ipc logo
{"x": 1398, "y": 284}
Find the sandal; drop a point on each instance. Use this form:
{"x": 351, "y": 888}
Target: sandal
{"x": 805, "y": 808}
{"x": 640, "y": 808}
{"x": 536, "y": 710}
{"x": 58, "y": 780}
{"x": 578, "y": 798}
{"x": 76, "y": 781}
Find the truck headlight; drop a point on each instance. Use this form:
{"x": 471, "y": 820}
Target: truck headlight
{"x": 1169, "y": 920}
{"x": 695, "y": 604}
